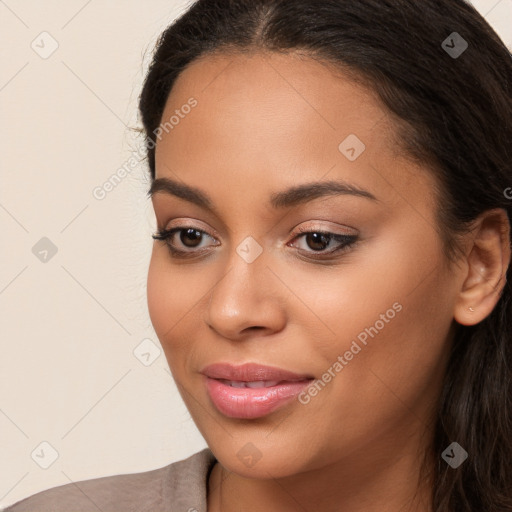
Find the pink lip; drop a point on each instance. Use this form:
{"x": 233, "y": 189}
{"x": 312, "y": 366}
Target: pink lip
{"x": 247, "y": 402}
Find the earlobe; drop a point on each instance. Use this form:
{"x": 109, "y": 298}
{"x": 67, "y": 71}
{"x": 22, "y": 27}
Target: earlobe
{"x": 487, "y": 261}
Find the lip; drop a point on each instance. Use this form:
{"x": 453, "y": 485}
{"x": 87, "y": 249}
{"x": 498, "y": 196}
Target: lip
{"x": 250, "y": 372}
{"x": 246, "y": 402}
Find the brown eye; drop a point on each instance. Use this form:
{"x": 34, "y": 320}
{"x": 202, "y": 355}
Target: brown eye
{"x": 317, "y": 241}
{"x": 190, "y": 237}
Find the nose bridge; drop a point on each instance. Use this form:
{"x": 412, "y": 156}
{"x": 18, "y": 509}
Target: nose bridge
{"x": 244, "y": 296}
{"x": 245, "y": 273}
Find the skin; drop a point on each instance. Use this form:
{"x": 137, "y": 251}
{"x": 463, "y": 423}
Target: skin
{"x": 263, "y": 123}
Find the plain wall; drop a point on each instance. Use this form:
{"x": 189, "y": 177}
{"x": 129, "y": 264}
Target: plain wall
{"x": 71, "y": 321}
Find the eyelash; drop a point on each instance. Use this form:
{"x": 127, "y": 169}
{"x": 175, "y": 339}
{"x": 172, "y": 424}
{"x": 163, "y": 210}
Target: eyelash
{"x": 345, "y": 241}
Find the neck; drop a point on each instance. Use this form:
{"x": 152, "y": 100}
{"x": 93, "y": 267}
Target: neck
{"x": 387, "y": 481}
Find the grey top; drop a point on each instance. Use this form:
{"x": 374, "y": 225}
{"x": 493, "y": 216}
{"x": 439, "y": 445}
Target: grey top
{"x": 179, "y": 487}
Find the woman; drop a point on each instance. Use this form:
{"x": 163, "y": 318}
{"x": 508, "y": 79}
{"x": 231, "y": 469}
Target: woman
{"x": 332, "y": 187}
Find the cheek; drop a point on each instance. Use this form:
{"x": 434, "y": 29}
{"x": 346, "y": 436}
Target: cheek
{"x": 160, "y": 302}
{"x": 402, "y": 337}
{"x": 168, "y": 299}
{"x": 175, "y": 298}
{"x": 392, "y": 318}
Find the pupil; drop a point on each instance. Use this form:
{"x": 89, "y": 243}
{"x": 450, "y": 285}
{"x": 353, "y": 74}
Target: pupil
{"x": 318, "y": 238}
{"x": 191, "y": 233}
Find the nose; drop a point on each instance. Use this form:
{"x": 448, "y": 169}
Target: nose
{"x": 247, "y": 300}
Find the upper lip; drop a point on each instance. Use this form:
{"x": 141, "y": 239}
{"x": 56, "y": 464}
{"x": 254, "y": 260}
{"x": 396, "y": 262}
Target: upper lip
{"x": 249, "y": 372}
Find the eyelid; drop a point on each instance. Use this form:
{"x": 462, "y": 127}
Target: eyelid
{"x": 313, "y": 226}
{"x": 192, "y": 224}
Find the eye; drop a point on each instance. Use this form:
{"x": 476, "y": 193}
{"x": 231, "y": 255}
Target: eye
{"x": 316, "y": 239}
{"x": 319, "y": 240}
{"x": 189, "y": 237}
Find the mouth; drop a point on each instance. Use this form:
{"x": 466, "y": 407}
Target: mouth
{"x": 251, "y": 391}
{"x": 255, "y": 384}
{"x": 251, "y": 372}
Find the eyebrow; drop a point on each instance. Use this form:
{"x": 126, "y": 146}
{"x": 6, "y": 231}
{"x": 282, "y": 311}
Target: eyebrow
{"x": 288, "y": 198}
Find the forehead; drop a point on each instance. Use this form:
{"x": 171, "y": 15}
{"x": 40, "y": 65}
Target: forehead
{"x": 287, "y": 91}
{"x": 276, "y": 119}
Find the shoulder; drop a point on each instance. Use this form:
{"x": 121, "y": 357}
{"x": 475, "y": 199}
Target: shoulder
{"x": 179, "y": 486}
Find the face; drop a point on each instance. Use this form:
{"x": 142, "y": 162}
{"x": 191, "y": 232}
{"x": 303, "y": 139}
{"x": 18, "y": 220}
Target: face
{"x": 345, "y": 286}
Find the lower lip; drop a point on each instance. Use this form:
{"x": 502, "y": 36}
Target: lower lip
{"x": 248, "y": 403}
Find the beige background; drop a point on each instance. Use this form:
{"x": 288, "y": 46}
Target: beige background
{"x": 73, "y": 373}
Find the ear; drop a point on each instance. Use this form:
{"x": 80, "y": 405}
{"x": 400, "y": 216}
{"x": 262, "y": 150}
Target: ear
{"x": 487, "y": 261}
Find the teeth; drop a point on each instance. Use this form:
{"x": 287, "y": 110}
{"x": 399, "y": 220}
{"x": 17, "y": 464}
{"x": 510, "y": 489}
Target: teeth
{"x": 252, "y": 384}
{"x": 262, "y": 383}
